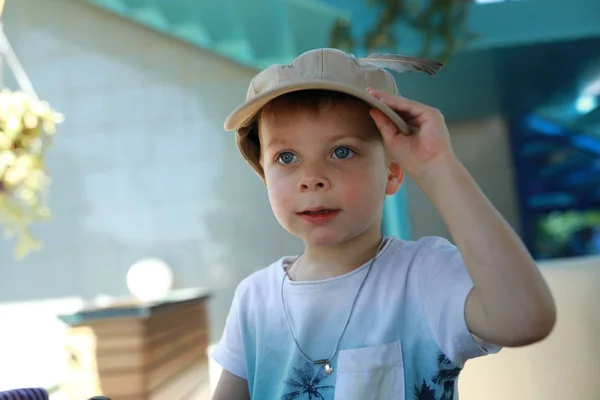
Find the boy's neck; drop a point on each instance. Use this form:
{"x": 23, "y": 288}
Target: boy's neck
{"x": 325, "y": 262}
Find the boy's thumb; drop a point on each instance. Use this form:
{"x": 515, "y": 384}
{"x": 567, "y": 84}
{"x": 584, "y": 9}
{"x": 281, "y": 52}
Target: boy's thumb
{"x": 385, "y": 125}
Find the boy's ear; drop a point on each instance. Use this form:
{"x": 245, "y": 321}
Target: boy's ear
{"x": 395, "y": 178}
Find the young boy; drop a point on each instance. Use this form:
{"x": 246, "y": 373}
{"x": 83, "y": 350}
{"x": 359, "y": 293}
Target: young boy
{"x": 357, "y": 315}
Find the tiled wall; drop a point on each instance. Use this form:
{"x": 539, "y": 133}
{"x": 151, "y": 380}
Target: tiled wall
{"x": 141, "y": 166}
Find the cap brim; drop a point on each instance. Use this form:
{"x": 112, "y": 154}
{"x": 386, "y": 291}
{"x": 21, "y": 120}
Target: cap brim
{"x": 245, "y": 114}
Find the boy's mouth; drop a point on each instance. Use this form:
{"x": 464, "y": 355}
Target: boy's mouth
{"x": 318, "y": 211}
{"x": 319, "y": 216}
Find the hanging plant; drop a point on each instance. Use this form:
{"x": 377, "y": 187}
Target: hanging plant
{"x": 26, "y": 125}
{"x": 441, "y": 24}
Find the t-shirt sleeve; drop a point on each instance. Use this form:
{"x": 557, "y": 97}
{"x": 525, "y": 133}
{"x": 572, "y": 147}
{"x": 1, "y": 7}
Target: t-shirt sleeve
{"x": 229, "y": 351}
{"x": 444, "y": 284}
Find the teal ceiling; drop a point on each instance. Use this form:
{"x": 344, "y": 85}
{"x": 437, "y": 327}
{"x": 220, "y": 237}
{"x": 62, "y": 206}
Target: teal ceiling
{"x": 254, "y": 33}
{"x": 500, "y": 23}
{"x": 529, "y": 55}
{"x": 259, "y": 32}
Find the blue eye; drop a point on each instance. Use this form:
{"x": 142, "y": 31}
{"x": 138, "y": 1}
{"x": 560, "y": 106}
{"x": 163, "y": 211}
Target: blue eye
{"x": 286, "y": 157}
{"x": 342, "y": 153}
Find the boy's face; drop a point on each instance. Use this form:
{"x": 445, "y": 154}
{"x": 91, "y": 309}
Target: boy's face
{"x": 326, "y": 172}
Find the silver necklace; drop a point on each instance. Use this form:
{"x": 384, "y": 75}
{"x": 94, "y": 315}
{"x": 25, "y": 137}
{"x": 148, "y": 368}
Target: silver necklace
{"x": 326, "y": 362}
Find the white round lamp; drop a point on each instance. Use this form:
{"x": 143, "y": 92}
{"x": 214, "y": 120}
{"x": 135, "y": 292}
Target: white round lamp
{"x": 150, "y": 279}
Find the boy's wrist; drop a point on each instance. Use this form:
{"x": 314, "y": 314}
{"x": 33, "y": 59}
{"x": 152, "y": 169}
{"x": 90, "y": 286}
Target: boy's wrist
{"x": 442, "y": 173}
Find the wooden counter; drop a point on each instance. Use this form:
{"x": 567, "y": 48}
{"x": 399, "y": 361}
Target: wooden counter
{"x": 134, "y": 351}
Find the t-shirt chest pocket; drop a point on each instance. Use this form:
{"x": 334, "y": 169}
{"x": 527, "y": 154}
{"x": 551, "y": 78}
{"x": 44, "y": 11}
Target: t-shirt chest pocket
{"x": 370, "y": 373}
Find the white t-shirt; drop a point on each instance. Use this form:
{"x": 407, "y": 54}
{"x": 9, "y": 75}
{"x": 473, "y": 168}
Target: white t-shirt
{"x": 407, "y": 338}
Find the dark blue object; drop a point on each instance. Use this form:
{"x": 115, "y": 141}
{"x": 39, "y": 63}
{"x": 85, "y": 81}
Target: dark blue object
{"x": 25, "y": 394}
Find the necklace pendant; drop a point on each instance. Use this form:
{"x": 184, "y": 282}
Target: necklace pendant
{"x": 328, "y": 369}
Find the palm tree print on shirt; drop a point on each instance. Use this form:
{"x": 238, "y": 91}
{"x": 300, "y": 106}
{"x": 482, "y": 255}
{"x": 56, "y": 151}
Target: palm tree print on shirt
{"x": 305, "y": 383}
{"x": 444, "y": 379}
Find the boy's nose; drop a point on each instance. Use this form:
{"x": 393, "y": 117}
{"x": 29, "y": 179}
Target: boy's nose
{"x": 312, "y": 183}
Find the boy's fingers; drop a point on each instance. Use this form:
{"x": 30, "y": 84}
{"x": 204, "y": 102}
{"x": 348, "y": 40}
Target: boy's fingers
{"x": 409, "y": 109}
{"x": 385, "y": 125}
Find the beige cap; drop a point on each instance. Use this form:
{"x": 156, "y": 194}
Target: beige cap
{"x": 322, "y": 69}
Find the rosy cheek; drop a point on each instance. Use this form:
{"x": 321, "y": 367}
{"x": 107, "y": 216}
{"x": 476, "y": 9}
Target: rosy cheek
{"x": 280, "y": 192}
{"x": 361, "y": 192}
{"x": 352, "y": 192}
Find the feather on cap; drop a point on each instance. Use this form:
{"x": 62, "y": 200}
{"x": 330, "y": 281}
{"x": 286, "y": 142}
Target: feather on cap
{"x": 400, "y": 63}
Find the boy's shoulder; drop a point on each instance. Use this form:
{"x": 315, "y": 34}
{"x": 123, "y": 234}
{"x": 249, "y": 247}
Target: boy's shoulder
{"x": 424, "y": 243}
{"x": 425, "y": 250}
{"x": 264, "y": 280}
{"x": 412, "y": 254}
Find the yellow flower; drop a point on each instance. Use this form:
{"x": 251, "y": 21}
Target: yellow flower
{"x": 7, "y": 158}
{"x": 25, "y": 122}
{"x": 13, "y": 124}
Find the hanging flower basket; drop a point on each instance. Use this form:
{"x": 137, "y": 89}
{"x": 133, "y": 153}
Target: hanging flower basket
{"x": 26, "y": 127}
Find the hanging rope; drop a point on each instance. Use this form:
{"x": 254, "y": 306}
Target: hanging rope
{"x": 1, "y": 56}
{"x": 14, "y": 64}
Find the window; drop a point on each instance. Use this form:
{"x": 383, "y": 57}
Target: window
{"x": 558, "y": 185}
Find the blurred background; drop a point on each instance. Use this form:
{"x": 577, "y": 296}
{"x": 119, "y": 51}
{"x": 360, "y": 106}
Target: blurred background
{"x": 142, "y": 168}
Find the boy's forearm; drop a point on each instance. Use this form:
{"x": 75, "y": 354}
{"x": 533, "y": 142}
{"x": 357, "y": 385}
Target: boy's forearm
{"x": 508, "y": 285}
